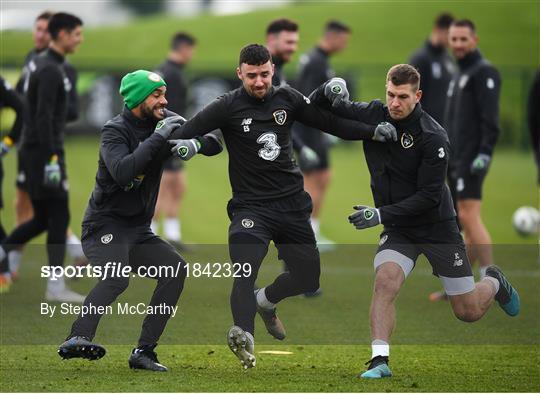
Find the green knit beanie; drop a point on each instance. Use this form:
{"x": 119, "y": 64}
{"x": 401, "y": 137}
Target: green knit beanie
{"x": 138, "y": 85}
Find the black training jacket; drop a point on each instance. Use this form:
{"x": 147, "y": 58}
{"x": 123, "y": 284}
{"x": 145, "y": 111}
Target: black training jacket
{"x": 436, "y": 69}
{"x": 314, "y": 70}
{"x": 533, "y": 116}
{"x": 11, "y": 99}
{"x": 71, "y": 73}
{"x": 131, "y": 160}
{"x": 472, "y": 110}
{"x": 257, "y": 133}
{"x": 46, "y": 103}
{"x": 407, "y": 176}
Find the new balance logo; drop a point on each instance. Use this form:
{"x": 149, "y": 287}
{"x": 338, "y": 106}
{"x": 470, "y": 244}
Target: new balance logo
{"x": 246, "y": 122}
{"x": 458, "y": 261}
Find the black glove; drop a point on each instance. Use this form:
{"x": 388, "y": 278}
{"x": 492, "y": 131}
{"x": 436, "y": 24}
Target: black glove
{"x": 385, "y": 132}
{"x": 52, "y": 175}
{"x": 185, "y": 149}
{"x": 308, "y": 159}
{"x": 336, "y": 91}
{"x": 480, "y": 164}
{"x": 366, "y": 217}
{"x": 167, "y": 126}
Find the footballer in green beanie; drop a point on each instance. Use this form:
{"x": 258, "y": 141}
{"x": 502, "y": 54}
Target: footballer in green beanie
{"x": 138, "y": 85}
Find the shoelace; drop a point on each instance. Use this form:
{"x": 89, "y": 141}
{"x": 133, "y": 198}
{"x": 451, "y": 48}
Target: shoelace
{"x": 375, "y": 361}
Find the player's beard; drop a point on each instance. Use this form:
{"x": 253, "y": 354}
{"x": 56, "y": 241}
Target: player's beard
{"x": 156, "y": 112}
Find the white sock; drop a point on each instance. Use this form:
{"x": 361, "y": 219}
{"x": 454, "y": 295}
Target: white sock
{"x": 154, "y": 226}
{"x": 74, "y": 247}
{"x": 482, "y": 271}
{"x": 56, "y": 285}
{"x": 494, "y": 281}
{"x": 262, "y": 301}
{"x": 379, "y": 348}
{"x": 315, "y": 225}
{"x": 171, "y": 229}
{"x": 2, "y": 253}
{"x": 14, "y": 260}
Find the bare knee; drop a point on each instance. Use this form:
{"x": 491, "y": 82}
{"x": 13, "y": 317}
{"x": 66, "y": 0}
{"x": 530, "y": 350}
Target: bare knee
{"x": 466, "y": 316}
{"x": 388, "y": 280}
{"x": 464, "y": 309}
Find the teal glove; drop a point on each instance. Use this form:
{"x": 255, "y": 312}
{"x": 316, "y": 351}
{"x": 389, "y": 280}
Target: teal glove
{"x": 385, "y": 132}
{"x": 366, "y": 217}
{"x": 336, "y": 91}
{"x": 480, "y": 164}
{"x": 52, "y": 175}
{"x": 185, "y": 149}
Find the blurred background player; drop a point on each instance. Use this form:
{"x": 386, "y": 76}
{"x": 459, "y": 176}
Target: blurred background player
{"x": 282, "y": 41}
{"x": 436, "y": 67}
{"x": 314, "y": 70}
{"x": 173, "y": 181}
{"x": 282, "y": 38}
{"x": 533, "y": 118}
{"x": 23, "y": 205}
{"x": 8, "y": 98}
{"x": 42, "y": 150}
{"x": 472, "y": 123}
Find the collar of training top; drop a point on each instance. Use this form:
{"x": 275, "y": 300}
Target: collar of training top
{"x": 140, "y": 123}
{"x": 469, "y": 59}
{"x": 322, "y": 51}
{"x": 175, "y": 64}
{"x": 409, "y": 121}
{"x": 434, "y": 48}
{"x": 53, "y": 54}
{"x": 267, "y": 96}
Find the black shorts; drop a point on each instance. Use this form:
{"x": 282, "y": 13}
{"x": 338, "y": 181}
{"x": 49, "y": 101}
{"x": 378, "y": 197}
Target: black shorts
{"x": 32, "y": 163}
{"x": 285, "y": 221}
{"x": 127, "y": 245}
{"x": 174, "y": 164}
{"x": 319, "y": 142}
{"x": 465, "y": 185}
{"x": 20, "y": 180}
{"x": 441, "y": 243}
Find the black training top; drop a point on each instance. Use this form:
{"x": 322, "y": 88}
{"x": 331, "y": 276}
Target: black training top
{"x": 11, "y": 99}
{"x": 46, "y": 103}
{"x": 533, "y": 116}
{"x": 257, "y": 133}
{"x": 314, "y": 70}
{"x": 131, "y": 160}
{"x": 472, "y": 110}
{"x": 436, "y": 68}
{"x": 407, "y": 176}
{"x": 73, "y": 97}
{"x": 177, "y": 85}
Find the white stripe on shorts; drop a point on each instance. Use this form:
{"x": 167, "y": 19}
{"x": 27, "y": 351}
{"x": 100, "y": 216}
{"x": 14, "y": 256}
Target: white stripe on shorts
{"x": 389, "y": 255}
{"x": 457, "y": 286}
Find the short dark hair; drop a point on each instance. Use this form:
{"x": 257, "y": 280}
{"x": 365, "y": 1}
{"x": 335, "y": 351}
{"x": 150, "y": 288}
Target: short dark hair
{"x": 182, "y": 38}
{"x": 282, "y": 24}
{"x": 63, "y": 21}
{"x": 443, "y": 20}
{"x": 464, "y": 23}
{"x": 402, "y": 74}
{"x": 336, "y": 26}
{"x": 45, "y": 15}
{"x": 254, "y": 54}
